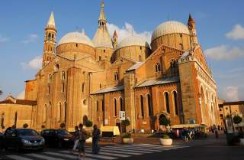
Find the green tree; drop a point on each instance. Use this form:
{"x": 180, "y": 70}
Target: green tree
{"x": 164, "y": 121}
{"x": 62, "y": 125}
{"x": 25, "y": 125}
{"x": 125, "y": 122}
{"x": 88, "y": 123}
{"x": 237, "y": 119}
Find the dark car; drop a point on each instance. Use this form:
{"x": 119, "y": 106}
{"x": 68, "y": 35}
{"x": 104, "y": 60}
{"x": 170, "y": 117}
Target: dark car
{"x": 57, "y": 137}
{"x": 23, "y": 138}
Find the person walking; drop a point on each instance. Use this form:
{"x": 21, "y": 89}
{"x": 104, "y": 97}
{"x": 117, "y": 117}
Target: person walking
{"x": 95, "y": 139}
{"x": 82, "y": 139}
{"x": 216, "y": 133}
{"x": 76, "y": 138}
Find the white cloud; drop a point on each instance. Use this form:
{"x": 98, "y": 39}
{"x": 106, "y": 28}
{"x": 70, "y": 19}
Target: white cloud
{"x": 3, "y": 39}
{"x": 224, "y": 52}
{"x": 35, "y": 63}
{"x": 231, "y": 93}
{"x": 236, "y": 33}
{"x": 21, "y": 95}
{"x": 31, "y": 39}
{"x": 127, "y": 30}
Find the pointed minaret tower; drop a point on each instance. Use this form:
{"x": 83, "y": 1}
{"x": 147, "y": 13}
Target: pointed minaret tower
{"x": 193, "y": 31}
{"x": 115, "y": 39}
{"x": 102, "y": 18}
{"x": 49, "y": 41}
{"x": 102, "y": 39}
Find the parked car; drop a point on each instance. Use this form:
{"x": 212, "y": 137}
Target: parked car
{"x": 22, "y": 138}
{"x": 57, "y": 137}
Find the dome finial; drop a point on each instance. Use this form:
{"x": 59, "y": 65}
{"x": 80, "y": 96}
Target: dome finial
{"x": 102, "y": 4}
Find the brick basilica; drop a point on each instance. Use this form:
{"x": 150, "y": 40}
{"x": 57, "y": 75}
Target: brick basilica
{"x": 82, "y": 78}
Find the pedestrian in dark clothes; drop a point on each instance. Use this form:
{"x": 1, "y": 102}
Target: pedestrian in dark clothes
{"x": 95, "y": 139}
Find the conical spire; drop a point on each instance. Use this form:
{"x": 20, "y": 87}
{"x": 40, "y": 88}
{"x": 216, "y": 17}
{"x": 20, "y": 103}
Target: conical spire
{"x": 102, "y": 18}
{"x": 102, "y": 37}
{"x": 191, "y": 22}
{"x": 193, "y": 31}
{"x": 102, "y": 14}
{"x": 51, "y": 21}
{"x": 190, "y": 19}
{"x": 115, "y": 35}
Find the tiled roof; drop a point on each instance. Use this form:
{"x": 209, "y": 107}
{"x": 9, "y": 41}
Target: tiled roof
{"x": 12, "y": 100}
{"x": 135, "y": 66}
{"x": 158, "y": 81}
{"x": 109, "y": 89}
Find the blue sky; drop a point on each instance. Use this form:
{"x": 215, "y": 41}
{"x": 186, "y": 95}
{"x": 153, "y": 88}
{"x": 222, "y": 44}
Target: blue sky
{"x": 220, "y": 29}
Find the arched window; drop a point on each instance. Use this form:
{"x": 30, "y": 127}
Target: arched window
{"x": 173, "y": 67}
{"x": 83, "y": 87}
{"x": 150, "y": 108}
{"x": 181, "y": 46}
{"x": 49, "y": 89}
{"x": 49, "y": 78}
{"x": 59, "y": 114}
{"x": 115, "y": 107}
{"x": 65, "y": 111}
{"x": 97, "y": 106}
{"x": 176, "y": 103}
{"x": 103, "y": 107}
{"x": 15, "y": 118}
{"x": 56, "y": 67}
{"x": 63, "y": 87}
{"x": 49, "y": 36}
{"x": 158, "y": 67}
{"x": 2, "y": 120}
{"x": 116, "y": 76}
{"x": 63, "y": 75}
{"x": 45, "y": 113}
{"x": 166, "y": 98}
{"x": 142, "y": 106}
{"x": 122, "y": 108}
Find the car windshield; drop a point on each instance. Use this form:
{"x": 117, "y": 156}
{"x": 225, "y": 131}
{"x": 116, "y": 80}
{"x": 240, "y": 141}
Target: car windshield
{"x": 63, "y": 132}
{"x": 27, "y": 132}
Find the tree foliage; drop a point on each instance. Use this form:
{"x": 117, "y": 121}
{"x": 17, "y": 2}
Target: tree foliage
{"x": 25, "y": 125}
{"x": 237, "y": 119}
{"x": 88, "y": 123}
{"x": 125, "y": 122}
{"x": 164, "y": 121}
{"x": 62, "y": 125}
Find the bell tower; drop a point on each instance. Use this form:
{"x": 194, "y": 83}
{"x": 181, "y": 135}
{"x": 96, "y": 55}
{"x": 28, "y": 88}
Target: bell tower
{"x": 49, "y": 41}
{"x": 193, "y": 31}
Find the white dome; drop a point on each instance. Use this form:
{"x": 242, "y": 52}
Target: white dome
{"x": 133, "y": 41}
{"x": 76, "y": 37}
{"x": 168, "y": 28}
